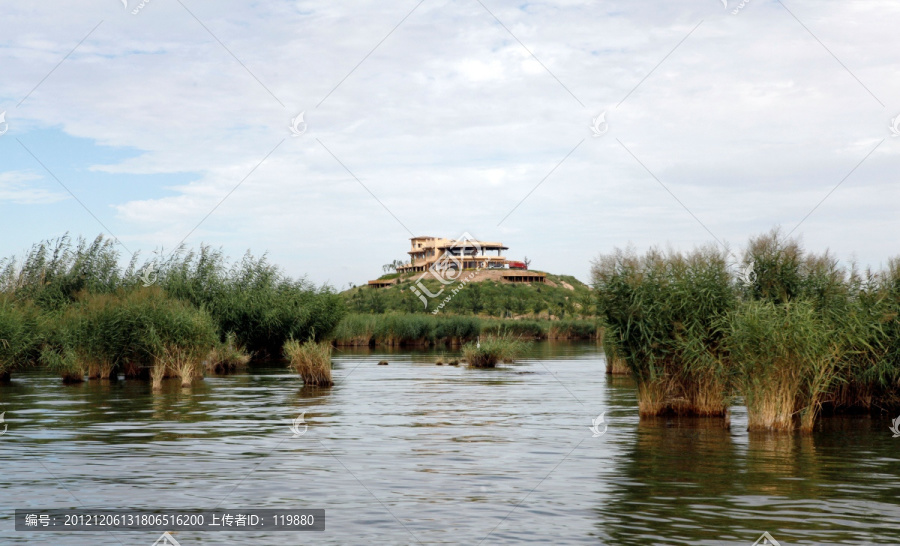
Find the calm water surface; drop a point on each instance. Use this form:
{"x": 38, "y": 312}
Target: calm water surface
{"x": 417, "y": 453}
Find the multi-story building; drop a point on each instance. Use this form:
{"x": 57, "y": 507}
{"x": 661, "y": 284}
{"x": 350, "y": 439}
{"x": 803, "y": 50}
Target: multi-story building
{"x": 453, "y": 253}
{"x": 438, "y": 255}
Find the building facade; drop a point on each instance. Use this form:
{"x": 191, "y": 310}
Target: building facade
{"x": 453, "y": 254}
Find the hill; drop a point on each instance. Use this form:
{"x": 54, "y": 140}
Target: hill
{"x": 560, "y": 296}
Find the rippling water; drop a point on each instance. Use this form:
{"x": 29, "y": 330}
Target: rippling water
{"x": 417, "y": 453}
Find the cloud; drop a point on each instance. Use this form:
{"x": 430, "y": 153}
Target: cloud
{"x": 18, "y": 187}
{"x": 450, "y": 122}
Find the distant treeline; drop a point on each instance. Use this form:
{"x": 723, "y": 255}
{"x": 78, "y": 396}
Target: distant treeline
{"x": 71, "y": 306}
{"x": 790, "y": 331}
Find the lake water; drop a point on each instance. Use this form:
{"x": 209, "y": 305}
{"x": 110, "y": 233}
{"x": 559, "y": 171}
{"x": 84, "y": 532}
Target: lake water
{"x": 417, "y": 453}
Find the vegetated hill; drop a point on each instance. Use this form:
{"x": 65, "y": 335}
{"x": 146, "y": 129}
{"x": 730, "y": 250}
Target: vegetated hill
{"x": 562, "y": 296}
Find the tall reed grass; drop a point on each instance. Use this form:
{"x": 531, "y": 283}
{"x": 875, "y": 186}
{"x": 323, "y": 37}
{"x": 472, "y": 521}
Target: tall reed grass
{"x": 17, "y": 336}
{"x": 252, "y": 298}
{"x": 793, "y": 332}
{"x": 488, "y": 351}
{"x": 311, "y": 360}
{"x": 395, "y": 329}
{"x": 786, "y": 358}
{"x": 227, "y": 356}
{"x": 102, "y": 334}
{"x": 87, "y": 315}
{"x": 660, "y": 312}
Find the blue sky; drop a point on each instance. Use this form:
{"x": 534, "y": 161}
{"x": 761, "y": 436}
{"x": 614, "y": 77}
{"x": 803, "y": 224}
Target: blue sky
{"x": 441, "y": 117}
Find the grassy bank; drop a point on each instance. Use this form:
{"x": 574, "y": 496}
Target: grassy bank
{"x": 562, "y": 297}
{"x": 420, "y": 329}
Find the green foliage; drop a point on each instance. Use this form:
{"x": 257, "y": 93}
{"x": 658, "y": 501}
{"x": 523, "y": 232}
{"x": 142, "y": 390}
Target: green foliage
{"x": 252, "y": 298}
{"x": 413, "y": 328}
{"x": 83, "y": 313}
{"x": 529, "y": 329}
{"x": 53, "y": 272}
{"x": 791, "y": 331}
{"x": 99, "y": 333}
{"x": 489, "y": 297}
{"x": 785, "y": 357}
{"x": 661, "y": 310}
{"x": 17, "y": 334}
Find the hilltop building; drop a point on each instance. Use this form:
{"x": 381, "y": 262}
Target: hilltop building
{"x": 464, "y": 254}
{"x": 440, "y": 254}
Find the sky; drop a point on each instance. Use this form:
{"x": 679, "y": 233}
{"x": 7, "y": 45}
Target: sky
{"x": 562, "y": 128}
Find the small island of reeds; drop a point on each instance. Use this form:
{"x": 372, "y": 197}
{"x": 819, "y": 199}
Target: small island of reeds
{"x": 790, "y": 332}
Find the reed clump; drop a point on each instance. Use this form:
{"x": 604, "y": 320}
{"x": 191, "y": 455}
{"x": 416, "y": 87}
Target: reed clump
{"x": 17, "y": 336}
{"x": 488, "y": 351}
{"x": 227, "y": 356}
{"x": 356, "y": 330}
{"x": 660, "y": 313}
{"x": 252, "y": 298}
{"x": 311, "y": 360}
{"x": 798, "y": 333}
{"x": 87, "y": 316}
{"x": 792, "y": 332}
{"x": 99, "y": 335}
{"x": 786, "y": 359}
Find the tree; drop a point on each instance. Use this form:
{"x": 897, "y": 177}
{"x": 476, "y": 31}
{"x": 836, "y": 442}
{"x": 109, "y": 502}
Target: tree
{"x": 393, "y": 266}
{"x": 527, "y": 262}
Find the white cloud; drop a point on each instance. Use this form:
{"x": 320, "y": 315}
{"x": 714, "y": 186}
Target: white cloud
{"x": 450, "y": 122}
{"x": 18, "y": 187}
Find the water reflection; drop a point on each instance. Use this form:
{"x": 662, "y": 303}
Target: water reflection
{"x": 673, "y": 477}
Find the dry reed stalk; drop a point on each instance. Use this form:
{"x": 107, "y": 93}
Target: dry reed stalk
{"x": 311, "y": 360}
{"x": 157, "y": 373}
{"x": 226, "y": 358}
{"x": 653, "y": 397}
{"x": 706, "y": 397}
{"x": 617, "y": 366}
{"x": 180, "y": 363}
{"x": 106, "y": 370}
{"x": 771, "y": 406}
{"x": 823, "y": 377}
